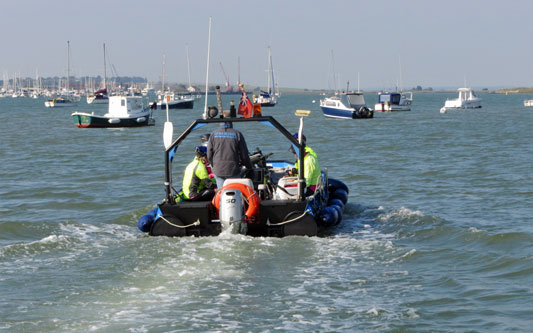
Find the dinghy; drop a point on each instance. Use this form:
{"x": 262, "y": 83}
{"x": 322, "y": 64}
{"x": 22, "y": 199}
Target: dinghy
{"x": 268, "y": 202}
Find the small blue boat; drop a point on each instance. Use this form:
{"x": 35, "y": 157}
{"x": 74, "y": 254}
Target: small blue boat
{"x": 346, "y": 105}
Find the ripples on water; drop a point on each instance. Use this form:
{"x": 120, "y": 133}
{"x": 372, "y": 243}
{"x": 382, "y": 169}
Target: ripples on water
{"x": 435, "y": 236}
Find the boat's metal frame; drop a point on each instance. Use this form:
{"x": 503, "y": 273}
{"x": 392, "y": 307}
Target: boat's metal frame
{"x": 171, "y": 150}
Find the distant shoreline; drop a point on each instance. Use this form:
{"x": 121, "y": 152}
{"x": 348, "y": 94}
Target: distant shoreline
{"x": 424, "y": 91}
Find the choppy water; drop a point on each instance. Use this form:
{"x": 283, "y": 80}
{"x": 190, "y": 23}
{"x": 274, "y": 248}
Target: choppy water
{"x": 437, "y": 235}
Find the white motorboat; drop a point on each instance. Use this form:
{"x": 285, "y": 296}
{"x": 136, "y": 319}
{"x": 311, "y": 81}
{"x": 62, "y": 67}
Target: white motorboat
{"x": 394, "y": 101}
{"x": 528, "y": 102}
{"x": 466, "y": 100}
{"x": 347, "y": 105}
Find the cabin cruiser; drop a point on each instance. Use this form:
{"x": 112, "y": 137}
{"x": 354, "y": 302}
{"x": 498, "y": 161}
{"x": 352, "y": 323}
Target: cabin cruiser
{"x": 349, "y": 105}
{"x": 466, "y": 100}
{"x": 394, "y": 101}
{"x": 123, "y": 111}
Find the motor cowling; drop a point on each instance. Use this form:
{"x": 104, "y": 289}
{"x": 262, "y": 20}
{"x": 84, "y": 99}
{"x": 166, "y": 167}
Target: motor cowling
{"x": 231, "y": 209}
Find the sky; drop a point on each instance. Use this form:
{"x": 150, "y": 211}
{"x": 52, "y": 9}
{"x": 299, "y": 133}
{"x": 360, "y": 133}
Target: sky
{"x": 376, "y": 44}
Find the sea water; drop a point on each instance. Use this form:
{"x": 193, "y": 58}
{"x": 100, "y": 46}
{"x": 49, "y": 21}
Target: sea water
{"x": 437, "y": 235}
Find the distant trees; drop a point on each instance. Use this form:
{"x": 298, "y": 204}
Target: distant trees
{"x": 420, "y": 88}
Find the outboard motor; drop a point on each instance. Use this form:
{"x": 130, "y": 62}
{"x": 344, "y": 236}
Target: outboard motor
{"x": 231, "y": 210}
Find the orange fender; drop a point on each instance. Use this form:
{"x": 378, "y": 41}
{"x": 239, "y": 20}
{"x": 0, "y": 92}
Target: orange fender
{"x": 251, "y": 196}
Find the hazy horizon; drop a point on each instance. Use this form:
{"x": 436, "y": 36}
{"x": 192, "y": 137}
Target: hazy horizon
{"x": 436, "y": 45}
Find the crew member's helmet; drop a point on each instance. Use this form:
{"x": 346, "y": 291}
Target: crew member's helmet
{"x": 201, "y": 151}
{"x": 295, "y": 135}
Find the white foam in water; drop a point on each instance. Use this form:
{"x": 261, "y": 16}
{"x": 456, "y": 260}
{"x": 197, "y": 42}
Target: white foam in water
{"x": 373, "y": 311}
{"x": 411, "y": 313}
{"x": 402, "y": 213}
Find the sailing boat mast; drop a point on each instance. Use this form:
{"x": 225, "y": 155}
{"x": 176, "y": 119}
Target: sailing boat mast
{"x": 163, "y": 79}
{"x": 207, "y": 70}
{"x": 272, "y": 88}
{"x": 68, "y": 66}
{"x": 334, "y": 75}
{"x": 400, "y": 64}
{"x": 269, "y": 69}
{"x": 105, "y": 72}
{"x": 188, "y": 67}
{"x": 238, "y": 71}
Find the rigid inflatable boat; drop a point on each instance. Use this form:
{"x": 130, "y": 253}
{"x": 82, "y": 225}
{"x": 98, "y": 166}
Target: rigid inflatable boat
{"x": 266, "y": 203}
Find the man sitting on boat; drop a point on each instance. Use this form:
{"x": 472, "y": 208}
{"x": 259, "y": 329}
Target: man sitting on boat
{"x": 311, "y": 166}
{"x": 197, "y": 186}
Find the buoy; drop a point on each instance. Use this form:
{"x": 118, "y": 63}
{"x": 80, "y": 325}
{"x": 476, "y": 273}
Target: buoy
{"x": 329, "y": 216}
{"x": 341, "y": 194}
{"x": 334, "y": 184}
{"x": 337, "y": 202}
{"x": 443, "y": 110}
{"x": 339, "y": 213}
{"x": 145, "y": 222}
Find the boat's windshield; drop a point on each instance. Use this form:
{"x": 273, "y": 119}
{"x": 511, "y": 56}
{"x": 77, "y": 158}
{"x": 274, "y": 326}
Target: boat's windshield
{"x": 355, "y": 100}
{"x": 391, "y": 98}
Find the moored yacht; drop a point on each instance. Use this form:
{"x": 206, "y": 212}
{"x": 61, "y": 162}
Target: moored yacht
{"x": 99, "y": 97}
{"x": 175, "y": 101}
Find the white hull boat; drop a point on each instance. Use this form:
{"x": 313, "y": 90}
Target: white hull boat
{"x": 466, "y": 100}
{"x": 394, "y": 101}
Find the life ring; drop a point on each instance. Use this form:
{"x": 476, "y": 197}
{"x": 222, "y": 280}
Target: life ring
{"x": 251, "y": 197}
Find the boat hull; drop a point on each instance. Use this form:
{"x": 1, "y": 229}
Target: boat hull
{"x": 92, "y": 121}
{"x": 97, "y": 100}
{"x": 272, "y": 212}
{"x": 59, "y": 104}
{"x": 345, "y": 113}
{"x": 384, "y": 107}
{"x": 188, "y": 104}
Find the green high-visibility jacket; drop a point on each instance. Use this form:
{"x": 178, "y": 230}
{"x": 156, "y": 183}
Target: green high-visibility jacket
{"x": 311, "y": 167}
{"x": 195, "y": 178}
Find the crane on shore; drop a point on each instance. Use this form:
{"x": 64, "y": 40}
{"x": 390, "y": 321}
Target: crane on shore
{"x": 229, "y": 88}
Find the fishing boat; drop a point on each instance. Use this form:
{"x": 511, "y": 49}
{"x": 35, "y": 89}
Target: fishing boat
{"x": 175, "y": 101}
{"x": 269, "y": 203}
{"x": 394, "y": 101}
{"x": 123, "y": 111}
{"x": 268, "y": 98}
{"x": 346, "y": 105}
{"x": 466, "y": 100}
